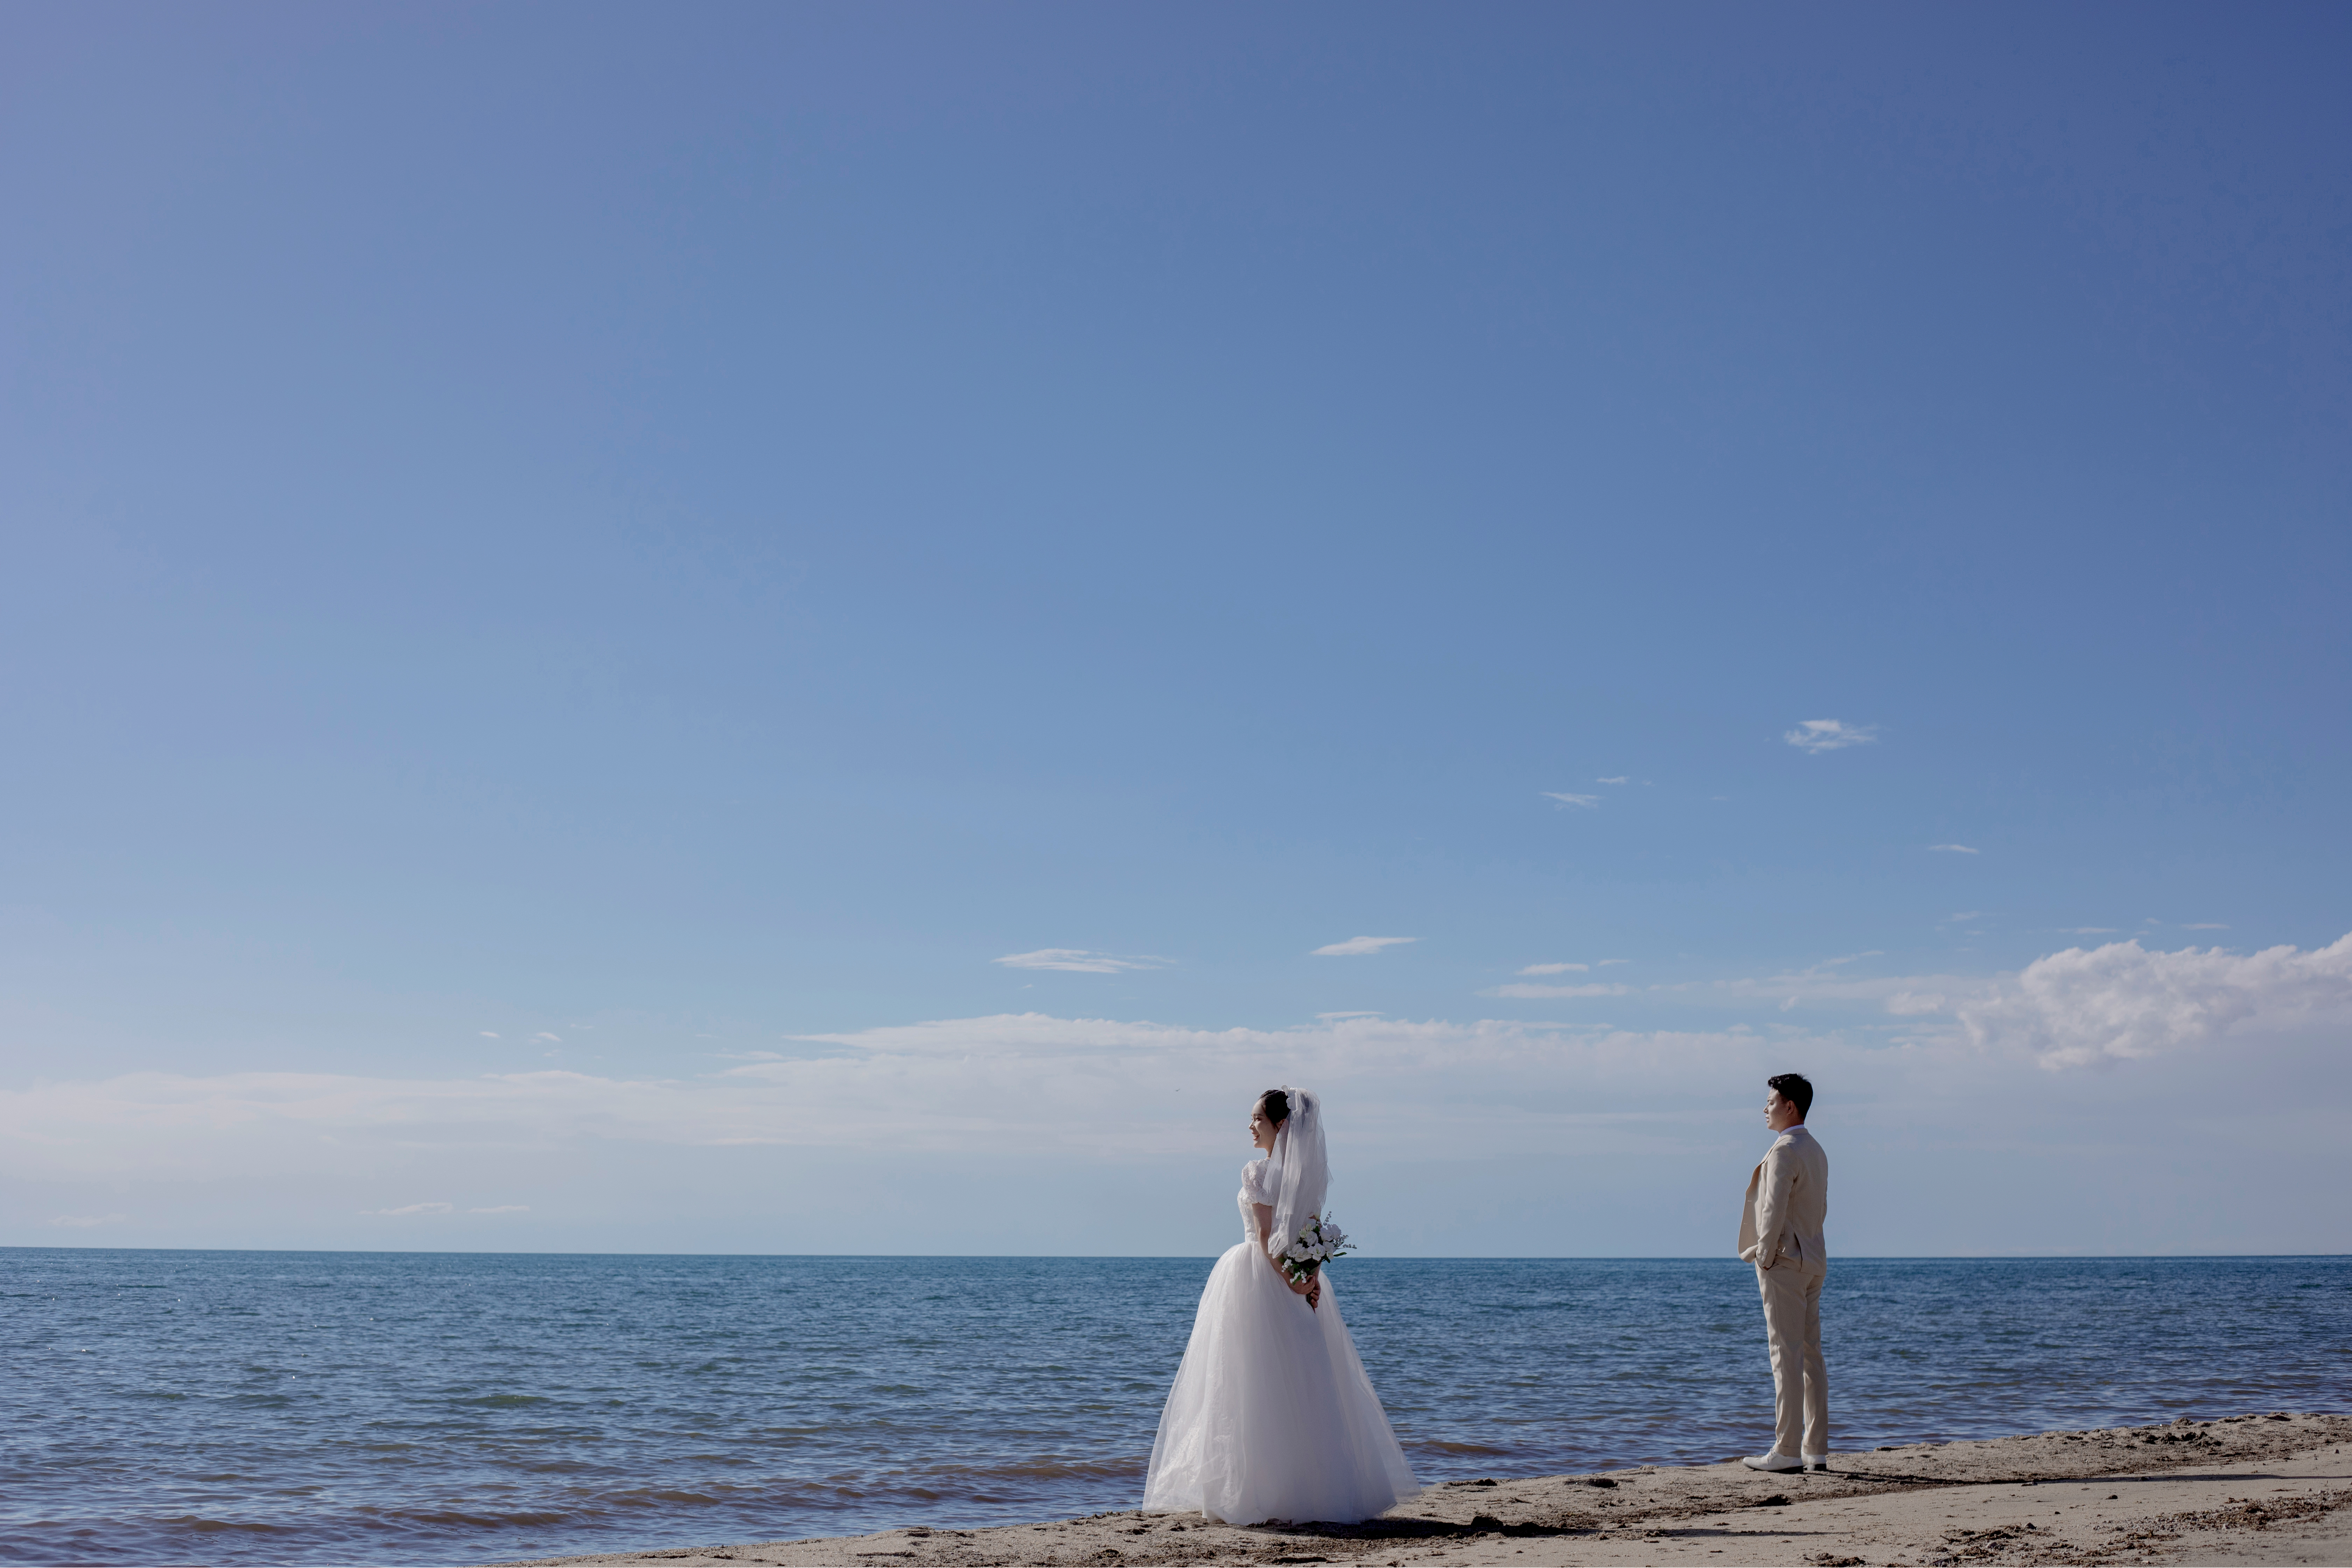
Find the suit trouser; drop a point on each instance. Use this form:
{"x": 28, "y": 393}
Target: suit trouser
{"x": 1800, "y": 1382}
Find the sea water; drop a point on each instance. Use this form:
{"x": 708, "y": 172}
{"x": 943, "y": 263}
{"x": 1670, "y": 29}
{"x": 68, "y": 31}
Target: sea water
{"x": 264, "y": 1407}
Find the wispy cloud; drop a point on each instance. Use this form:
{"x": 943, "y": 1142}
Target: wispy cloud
{"x": 958, "y": 1111}
{"x": 2084, "y": 930}
{"x": 1607, "y": 961}
{"x": 2204, "y": 925}
{"x": 503, "y": 1208}
{"x": 415, "y": 1209}
{"x": 1901, "y": 994}
{"x": 1355, "y": 945}
{"x": 489, "y": 1034}
{"x": 1537, "y": 993}
{"x": 1578, "y": 800}
{"x": 1829, "y": 736}
{"x": 84, "y": 1221}
{"x": 1359, "y": 1013}
{"x": 1620, "y": 778}
{"x": 1078, "y": 961}
{"x": 1009, "y": 1084}
{"x": 1553, "y": 969}
{"x": 1954, "y": 849}
{"x": 543, "y": 1035}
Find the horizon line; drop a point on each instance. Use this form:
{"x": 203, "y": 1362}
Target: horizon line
{"x": 1199, "y": 1257}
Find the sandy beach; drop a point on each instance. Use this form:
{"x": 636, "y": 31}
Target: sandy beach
{"x": 2269, "y": 1487}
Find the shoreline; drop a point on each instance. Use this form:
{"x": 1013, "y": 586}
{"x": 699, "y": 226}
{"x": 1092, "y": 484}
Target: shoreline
{"x": 2269, "y": 1487}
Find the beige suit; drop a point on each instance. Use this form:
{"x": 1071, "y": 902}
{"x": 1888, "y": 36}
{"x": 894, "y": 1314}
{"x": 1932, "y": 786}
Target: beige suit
{"x": 1780, "y": 1233}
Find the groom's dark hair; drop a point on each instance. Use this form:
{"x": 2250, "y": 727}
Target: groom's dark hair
{"x": 1796, "y": 1088}
{"x": 1274, "y": 1105}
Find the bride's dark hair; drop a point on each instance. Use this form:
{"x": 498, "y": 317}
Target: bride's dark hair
{"x": 1274, "y": 1105}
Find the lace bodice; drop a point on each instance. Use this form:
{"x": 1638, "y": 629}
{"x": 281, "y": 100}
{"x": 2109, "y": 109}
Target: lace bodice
{"x": 1261, "y": 1180}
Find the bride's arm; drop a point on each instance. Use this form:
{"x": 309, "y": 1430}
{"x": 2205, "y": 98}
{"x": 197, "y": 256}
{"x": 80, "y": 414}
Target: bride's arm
{"x": 1313, "y": 1289}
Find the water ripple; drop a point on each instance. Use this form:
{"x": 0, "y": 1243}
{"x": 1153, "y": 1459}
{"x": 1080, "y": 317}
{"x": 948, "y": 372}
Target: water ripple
{"x": 405, "y": 1409}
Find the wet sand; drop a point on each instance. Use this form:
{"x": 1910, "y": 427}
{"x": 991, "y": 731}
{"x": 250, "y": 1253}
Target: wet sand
{"x": 2246, "y": 1489}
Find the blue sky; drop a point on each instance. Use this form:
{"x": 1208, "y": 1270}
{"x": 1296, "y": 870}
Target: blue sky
{"x": 576, "y": 555}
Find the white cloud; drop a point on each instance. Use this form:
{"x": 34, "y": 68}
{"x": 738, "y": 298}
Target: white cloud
{"x": 1537, "y": 992}
{"x": 2120, "y": 1000}
{"x": 1907, "y": 1003}
{"x": 1328, "y": 1018}
{"x": 487, "y": 1035}
{"x": 2115, "y": 1003}
{"x": 83, "y": 1221}
{"x": 1076, "y": 961}
{"x": 2084, "y": 931}
{"x": 1018, "y": 1083}
{"x": 1954, "y": 849}
{"x": 1620, "y": 778}
{"x": 1817, "y": 735}
{"x": 1355, "y": 945}
{"x": 2204, "y": 925}
{"x": 1113, "y": 1090}
{"x": 1899, "y": 994}
{"x": 1552, "y": 968}
{"x": 503, "y": 1208}
{"x": 1607, "y": 961}
{"x": 543, "y": 1035}
{"x": 937, "y": 1130}
{"x": 1584, "y": 800}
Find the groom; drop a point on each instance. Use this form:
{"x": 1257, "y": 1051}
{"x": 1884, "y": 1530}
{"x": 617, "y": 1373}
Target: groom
{"x": 1780, "y": 1233}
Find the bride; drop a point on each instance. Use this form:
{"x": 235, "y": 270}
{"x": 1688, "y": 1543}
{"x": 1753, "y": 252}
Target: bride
{"x": 1271, "y": 1416}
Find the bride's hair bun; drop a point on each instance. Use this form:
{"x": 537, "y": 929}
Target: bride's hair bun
{"x": 1274, "y": 1105}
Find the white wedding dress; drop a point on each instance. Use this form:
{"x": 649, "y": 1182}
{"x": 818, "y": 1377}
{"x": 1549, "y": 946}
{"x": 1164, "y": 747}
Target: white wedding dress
{"x": 1271, "y": 1416}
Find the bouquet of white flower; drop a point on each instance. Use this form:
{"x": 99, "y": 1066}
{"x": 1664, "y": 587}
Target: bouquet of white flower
{"x": 1318, "y": 1243}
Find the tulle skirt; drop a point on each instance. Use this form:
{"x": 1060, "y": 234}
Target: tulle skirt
{"x": 1271, "y": 1416}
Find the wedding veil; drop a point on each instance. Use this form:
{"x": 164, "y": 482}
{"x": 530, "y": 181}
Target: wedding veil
{"x": 1306, "y": 1171}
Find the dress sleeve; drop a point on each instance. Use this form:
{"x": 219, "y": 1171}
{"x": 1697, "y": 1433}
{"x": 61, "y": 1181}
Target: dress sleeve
{"x": 1255, "y": 1183}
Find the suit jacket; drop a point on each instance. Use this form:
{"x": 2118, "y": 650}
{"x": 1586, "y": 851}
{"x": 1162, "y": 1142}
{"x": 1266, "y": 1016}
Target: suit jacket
{"x": 1788, "y": 1199}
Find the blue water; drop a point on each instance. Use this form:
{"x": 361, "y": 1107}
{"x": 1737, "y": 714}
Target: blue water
{"x": 259, "y": 1407}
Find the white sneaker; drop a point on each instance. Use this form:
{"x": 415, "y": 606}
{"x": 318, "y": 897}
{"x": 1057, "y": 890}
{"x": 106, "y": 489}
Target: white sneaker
{"x": 1776, "y": 1462}
{"x": 1817, "y": 1461}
